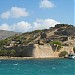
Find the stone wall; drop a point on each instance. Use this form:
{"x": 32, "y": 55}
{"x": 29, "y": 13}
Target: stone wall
{"x": 43, "y": 51}
{"x": 40, "y": 51}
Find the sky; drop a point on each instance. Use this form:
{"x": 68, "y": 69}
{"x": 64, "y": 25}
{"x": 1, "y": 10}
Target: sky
{"x": 29, "y": 15}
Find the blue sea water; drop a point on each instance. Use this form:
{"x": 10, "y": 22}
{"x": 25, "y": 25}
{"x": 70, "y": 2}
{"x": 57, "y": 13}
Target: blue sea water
{"x": 38, "y": 67}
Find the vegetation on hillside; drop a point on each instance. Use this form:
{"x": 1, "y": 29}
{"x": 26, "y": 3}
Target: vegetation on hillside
{"x": 74, "y": 49}
{"x": 63, "y": 54}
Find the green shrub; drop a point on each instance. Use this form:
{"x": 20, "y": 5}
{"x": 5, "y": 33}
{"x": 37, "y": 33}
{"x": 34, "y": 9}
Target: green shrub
{"x": 63, "y": 54}
{"x": 74, "y": 49}
{"x": 56, "y": 42}
{"x": 58, "y": 48}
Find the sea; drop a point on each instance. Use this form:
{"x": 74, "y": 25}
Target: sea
{"x": 38, "y": 67}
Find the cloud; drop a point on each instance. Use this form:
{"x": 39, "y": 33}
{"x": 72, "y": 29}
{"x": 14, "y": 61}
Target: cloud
{"x": 27, "y": 27}
{"x": 44, "y": 24}
{"x": 46, "y": 4}
{"x": 14, "y": 12}
{"x": 23, "y": 26}
{"x": 18, "y": 27}
{"x": 4, "y": 27}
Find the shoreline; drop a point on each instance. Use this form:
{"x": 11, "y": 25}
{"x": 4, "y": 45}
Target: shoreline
{"x": 26, "y": 58}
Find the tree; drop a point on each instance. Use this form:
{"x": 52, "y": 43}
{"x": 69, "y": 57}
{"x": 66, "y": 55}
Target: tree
{"x": 12, "y": 52}
{"x": 63, "y": 54}
{"x": 3, "y": 52}
{"x": 74, "y": 49}
{"x": 56, "y": 42}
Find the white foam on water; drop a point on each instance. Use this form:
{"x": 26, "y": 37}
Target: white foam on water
{"x": 53, "y": 68}
{"x": 15, "y": 64}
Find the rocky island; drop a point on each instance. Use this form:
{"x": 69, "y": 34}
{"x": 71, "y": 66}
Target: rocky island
{"x": 54, "y": 42}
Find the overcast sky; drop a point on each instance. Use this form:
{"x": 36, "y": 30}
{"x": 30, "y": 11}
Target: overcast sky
{"x": 29, "y": 15}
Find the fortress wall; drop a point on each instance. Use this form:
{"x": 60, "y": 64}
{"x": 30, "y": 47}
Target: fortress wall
{"x": 41, "y": 51}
